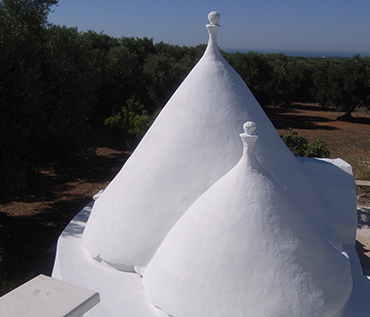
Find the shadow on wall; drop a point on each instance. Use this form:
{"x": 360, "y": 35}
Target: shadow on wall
{"x": 77, "y": 226}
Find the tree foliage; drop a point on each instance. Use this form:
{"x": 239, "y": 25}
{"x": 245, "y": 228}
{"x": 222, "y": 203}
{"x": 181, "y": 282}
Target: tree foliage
{"x": 257, "y": 73}
{"x": 29, "y": 14}
{"x": 131, "y": 122}
{"x": 22, "y": 88}
{"x": 60, "y": 87}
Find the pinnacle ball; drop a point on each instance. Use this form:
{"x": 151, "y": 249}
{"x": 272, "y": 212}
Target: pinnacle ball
{"x": 214, "y": 17}
{"x": 249, "y": 127}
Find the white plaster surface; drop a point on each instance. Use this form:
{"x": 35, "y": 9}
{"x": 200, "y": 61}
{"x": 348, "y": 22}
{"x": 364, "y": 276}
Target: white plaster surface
{"x": 334, "y": 184}
{"x": 193, "y": 142}
{"x": 243, "y": 249}
{"x": 122, "y": 293}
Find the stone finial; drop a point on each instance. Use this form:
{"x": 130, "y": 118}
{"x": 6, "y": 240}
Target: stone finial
{"x": 213, "y": 27}
{"x": 249, "y": 138}
{"x": 214, "y": 17}
{"x": 249, "y": 128}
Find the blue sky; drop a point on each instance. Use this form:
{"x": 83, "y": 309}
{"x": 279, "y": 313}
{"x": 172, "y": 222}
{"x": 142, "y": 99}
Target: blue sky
{"x": 270, "y": 25}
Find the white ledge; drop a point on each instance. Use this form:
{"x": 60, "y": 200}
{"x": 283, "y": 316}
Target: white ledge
{"x": 46, "y": 296}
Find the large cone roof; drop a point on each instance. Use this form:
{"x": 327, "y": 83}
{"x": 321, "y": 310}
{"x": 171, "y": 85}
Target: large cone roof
{"x": 193, "y": 142}
{"x": 243, "y": 249}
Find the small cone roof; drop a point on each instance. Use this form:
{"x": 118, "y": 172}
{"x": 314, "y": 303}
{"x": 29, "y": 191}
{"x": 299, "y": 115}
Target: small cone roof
{"x": 192, "y": 144}
{"x": 243, "y": 249}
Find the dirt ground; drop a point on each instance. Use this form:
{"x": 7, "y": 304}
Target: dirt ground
{"x": 347, "y": 140}
{"x": 31, "y": 224}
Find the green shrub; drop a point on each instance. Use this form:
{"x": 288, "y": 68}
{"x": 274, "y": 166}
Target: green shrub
{"x": 295, "y": 143}
{"x": 131, "y": 122}
{"x": 317, "y": 148}
{"x": 301, "y": 147}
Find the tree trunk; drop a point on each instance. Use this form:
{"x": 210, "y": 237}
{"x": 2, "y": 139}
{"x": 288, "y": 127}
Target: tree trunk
{"x": 348, "y": 115}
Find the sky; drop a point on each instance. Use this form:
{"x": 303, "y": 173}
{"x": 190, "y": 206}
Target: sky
{"x": 340, "y": 26}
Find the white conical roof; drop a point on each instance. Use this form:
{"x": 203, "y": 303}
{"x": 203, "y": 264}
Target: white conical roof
{"x": 192, "y": 143}
{"x": 243, "y": 249}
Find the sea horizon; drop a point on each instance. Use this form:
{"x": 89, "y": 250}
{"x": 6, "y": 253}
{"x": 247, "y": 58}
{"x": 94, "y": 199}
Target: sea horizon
{"x": 298, "y": 53}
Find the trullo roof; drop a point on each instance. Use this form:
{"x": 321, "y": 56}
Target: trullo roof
{"x": 243, "y": 249}
{"x": 192, "y": 143}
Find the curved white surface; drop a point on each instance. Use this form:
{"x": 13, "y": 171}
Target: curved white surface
{"x": 243, "y": 249}
{"x": 193, "y": 142}
{"x": 123, "y": 293}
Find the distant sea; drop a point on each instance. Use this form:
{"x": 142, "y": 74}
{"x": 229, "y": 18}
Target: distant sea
{"x": 302, "y": 53}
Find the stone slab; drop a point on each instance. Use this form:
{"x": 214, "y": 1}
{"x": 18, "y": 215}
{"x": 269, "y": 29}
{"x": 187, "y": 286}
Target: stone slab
{"x": 45, "y": 296}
